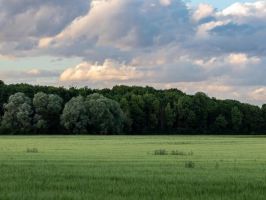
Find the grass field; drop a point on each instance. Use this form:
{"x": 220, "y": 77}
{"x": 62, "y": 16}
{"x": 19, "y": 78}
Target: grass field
{"x": 132, "y": 167}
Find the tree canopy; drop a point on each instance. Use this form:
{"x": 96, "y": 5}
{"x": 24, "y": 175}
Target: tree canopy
{"x": 27, "y": 109}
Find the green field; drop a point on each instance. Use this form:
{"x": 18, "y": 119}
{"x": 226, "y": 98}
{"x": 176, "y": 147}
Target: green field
{"x": 126, "y": 167}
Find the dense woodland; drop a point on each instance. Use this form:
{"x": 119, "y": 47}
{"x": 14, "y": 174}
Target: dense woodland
{"x": 27, "y": 109}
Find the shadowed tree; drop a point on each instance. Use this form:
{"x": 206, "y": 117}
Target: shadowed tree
{"x": 48, "y": 108}
{"x": 126, "y": 110}
{"x": 17, "y": 114}
{"x": 200, "y": 108}
{"x": 106, "y": 116}
{"x": 75, "y": 116}
{"x": 137, "y": 112}
{"x": 151, "y": 110}
{"x": 169, "y": 116}
{"x": 263, "y": 109}
{"x": 93, "y": 114}
{"x": 187, "y": 117}
{"x": 237, "y": 118}
{"x": 220, "y": 123}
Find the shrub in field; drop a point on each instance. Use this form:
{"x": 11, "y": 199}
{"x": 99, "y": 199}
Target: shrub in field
{"x": 178, "y": 153}
{"x": 160, "y": 152}
{"x": 181, "y": 153}
{"x": 32, "y": 150}
{"x": 189, "y": 164}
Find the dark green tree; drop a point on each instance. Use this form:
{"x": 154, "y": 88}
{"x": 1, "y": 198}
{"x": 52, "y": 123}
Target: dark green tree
{"x": 187, "y": 117}
{"x": 17, "y": 117}
{"x": 75, "y": 116}
{"x": 220, "y": 123}
{"x": 105, "y": 115}
{"x": 48, "y": 108}
{"x": 170, "y": 116}
{"x": 263, "y": 110}
{"x": 237, "y": 117}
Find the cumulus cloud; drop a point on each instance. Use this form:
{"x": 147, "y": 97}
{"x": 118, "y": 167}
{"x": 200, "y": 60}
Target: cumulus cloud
{"x": 203, "y": 11}
{"x": 242, "y": 59}
{"x": 108, "y": 71}
{"x": 128, "y": 27}
{"x": 23, "y": 22}
{"x": 258, "y": 94}
{"x": 157, "y": 42}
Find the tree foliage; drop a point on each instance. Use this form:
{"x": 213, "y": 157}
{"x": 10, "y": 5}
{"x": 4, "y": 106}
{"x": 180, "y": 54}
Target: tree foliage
{"x": 75, "y": 117}
{"x": 48, "y": 108}
{"x": 18, "y": 114}
{"x": 130, "y": 110}
{"x": 92, "y": 114}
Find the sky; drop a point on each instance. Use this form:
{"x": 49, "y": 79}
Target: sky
{"x": 217, "y": 47}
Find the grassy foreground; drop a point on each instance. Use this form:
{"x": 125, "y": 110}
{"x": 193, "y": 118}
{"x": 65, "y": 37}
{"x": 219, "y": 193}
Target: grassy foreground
{"x": 126, "y": 167}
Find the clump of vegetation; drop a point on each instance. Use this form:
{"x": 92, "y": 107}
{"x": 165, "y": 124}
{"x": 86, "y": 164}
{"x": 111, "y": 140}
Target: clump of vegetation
{"x": 160, "y": 152}
{"x": 32, "y": 150}
{"x": 181, "y": 153}
{"x": 27, "y": 109}
{"x": 190, "y": 164}
{"x": 178, "y": 153}
{"x": 173, "y": 152}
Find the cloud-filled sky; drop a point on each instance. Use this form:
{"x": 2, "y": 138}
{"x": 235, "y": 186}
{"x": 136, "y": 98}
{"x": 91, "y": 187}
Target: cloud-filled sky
{"x": 217, "y": 47}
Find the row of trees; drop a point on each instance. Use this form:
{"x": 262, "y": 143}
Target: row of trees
{"x": 45, "y": 113}
{"x": 130, "y": 110}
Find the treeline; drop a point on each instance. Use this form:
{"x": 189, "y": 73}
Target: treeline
{"x": 27, "y": 109}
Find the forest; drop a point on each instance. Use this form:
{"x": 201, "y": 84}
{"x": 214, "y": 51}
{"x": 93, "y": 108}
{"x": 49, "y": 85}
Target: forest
{"x": 131, "y": 110}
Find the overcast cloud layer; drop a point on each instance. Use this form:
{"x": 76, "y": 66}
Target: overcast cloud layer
{"x": 163, "y": 43}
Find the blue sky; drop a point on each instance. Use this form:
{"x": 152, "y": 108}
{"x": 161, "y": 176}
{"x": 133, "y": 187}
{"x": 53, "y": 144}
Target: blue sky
{"x": 220, "y": 4}
{"x": 217, "y": 47}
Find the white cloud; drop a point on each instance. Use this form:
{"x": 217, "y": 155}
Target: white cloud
{"x": 242, "y": 59}
{"x": 165, "y": 2}
{"x": 164, "y": 40}
{"x": 108, "y": 71}
{"x": 258, "y": 94}
{"x": 256, "y": 9}
{"x": 128, "y": 27}
{"x": 203, "y": 11}
{"x": 24, "y": 22}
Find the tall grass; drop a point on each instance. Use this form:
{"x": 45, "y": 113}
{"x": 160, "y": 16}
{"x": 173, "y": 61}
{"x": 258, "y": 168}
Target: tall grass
{"x": 118, "y": 167}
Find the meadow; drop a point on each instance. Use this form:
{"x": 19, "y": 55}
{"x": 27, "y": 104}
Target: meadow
{"x": 133, "y": 167}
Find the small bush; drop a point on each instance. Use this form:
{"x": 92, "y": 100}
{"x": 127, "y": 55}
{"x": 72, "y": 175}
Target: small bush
{"x": 189, "y": 164}
{"x": 160, "y": 152}
{"x": 181, "y": 153}
{"x": 178, "y": 153}
{"x": 32, "y": 150}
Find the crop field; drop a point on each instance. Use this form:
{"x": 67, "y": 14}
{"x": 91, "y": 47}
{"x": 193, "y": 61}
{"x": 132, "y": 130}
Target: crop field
{"x": 133, "y": 167}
